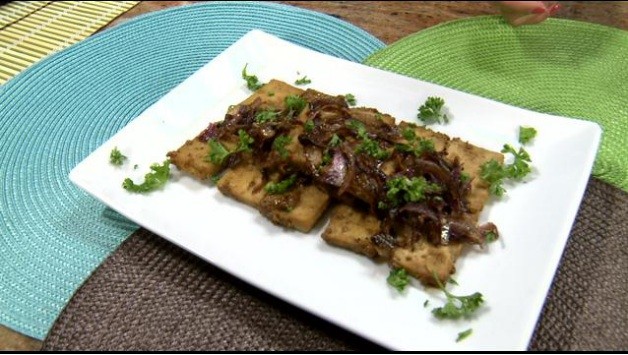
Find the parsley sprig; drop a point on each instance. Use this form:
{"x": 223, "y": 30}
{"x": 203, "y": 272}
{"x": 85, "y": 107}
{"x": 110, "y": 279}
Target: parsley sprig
{"x": 252, "y": 82}
{"x": 495, "y": 173}
{"x": 116, "y": 157}
{"x": 280, "y": 143}
{"x": 432, "y": 111}
{"x": 303, "y": 81}
{"x": 457, "y": 306}
{"x": 218, "y": 153}
{"x": 280, "y": 187}
{"x": 367, "y": 144}
{"x": 416, "y": 145}
{"x": 403, "y": 189}
{"x": 152, "y": 180}
{"x": 398, "y": 278}
{"x": 526, "y": 134}
{"x": 295, "y": 104}
{"x": 350, "y": 99}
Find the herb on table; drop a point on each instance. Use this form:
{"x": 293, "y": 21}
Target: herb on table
{"x": 251, "y": 80}
{"x": 464, "y": 335}
{"x": 457, "y": 306}
{"x": 398, "y": 278}
{"x": 403, "y": 189}
{"x": 116, "y": 157}
{"x": 432, "y": 111}
{"x": 303, "y": 81}
{"x": 152, "y": 180}
{"x": 280, "y": 187}
{"x": 295, "y": 104}
{"x": 280, "y": 143}
{"x": 350, "y": 99}
{"x": 526, "y": 134}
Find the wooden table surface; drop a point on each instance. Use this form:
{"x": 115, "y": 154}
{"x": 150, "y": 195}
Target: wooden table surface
{"x": 389, "y": 21}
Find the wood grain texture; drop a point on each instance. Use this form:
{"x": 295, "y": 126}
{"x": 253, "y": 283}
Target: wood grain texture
{"x": 389, "y": 21}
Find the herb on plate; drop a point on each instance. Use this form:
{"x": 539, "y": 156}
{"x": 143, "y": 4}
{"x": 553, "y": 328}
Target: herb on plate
{"x": 116, "y": 157}
{"x": 252, "y": 82}
{"x": 152, "y": 180}
{"x": 398, "y": 278}
{"x": 526, "y": 134}
{"x": 432, "y": 111}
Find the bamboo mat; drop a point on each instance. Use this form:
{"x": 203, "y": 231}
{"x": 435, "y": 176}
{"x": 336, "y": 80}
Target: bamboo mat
{"x": 31, "y": 30}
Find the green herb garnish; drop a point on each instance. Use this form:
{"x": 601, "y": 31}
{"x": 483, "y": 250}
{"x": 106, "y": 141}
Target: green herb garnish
{"x": 519, "y": 168}
{"x": 303, "y": 81}
{"x": 116, "y": 157}
{"x": 280, "y": 187}
{"x": 251, "y": 80}
{"x": 398, "y": 278}
{"x": 463, "y": 335}
{"x": 426, "y": 303}
{"x": 431, "y": 111}
{"x": 367, "y": 144}
{"x": 308, "y": 126}
{"x": 217, "y": 152}
{"x": 295, "y": 104}
{"x": 350, "y": 99}
{"x": 403, "y": 189}
{"x": 526, "y": 134}
{"x": 152, "y": 181}
{"x": 280, "y": 143}
{"x": 457, "y": 306}
{"x": 244, "y": 145}
{"x": 490, "y": 237}
{"x": 334, "y": 141}
{"x": 493, "y": 173}
{"x": 266, "y": 116}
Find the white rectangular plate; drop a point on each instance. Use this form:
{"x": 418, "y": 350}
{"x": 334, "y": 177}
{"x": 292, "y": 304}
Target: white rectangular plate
{"x": 513, "y": 274}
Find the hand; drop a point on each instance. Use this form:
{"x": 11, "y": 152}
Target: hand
{"x": 519, "y": 13}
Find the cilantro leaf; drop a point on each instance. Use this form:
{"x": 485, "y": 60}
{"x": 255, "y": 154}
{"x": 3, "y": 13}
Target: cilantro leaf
{"x": 152, "y": 180}
{"x": 282, "y": 186}
{"x": 303, "y": 81}
{"x": 526, "y": 134}
{"x": 431, "y": 111}
{"x": 464, "y": 334}
{"x": 251, "y": 80}
{"x": 279, "y": 144}
{"x": 116, "y": 157}
{"x": 398, "y": 278}
{"x": 350, "y": 99}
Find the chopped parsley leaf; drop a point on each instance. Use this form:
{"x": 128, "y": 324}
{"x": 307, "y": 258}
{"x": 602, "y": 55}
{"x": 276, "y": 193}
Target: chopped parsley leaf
{"x": 493, "y": 173}
{"x": 398, "y": 278}
{"x": 303, "y": 81}
{"x": 251, "y": 80}
{"x": 152, "y": 180}
{"x": 308, "y": 126}
{"x": 519, "y": 167}
{"x": 402, "y": 189}
{"x": 526, "y": 134}
{"x": 463, "y": 335}
{"x": 368, "y": 145}
{"x": 295, "y": 104}
{"x": 266, "y": 115}
{"x": 350, "y": 99}
{"x": 280, "y": 143}
{"x": 116, "y": 157}
{"x": 280, "y": 187}
{"x": 334, "y": 141}
{"x": 457, "y": 306}
{"x": 217, "y": 152}
{"x": 245, "y": 141}
{"x": 426, "y": 303}
{"x": 490, "y": 237}
{"x": 431, "y": 111}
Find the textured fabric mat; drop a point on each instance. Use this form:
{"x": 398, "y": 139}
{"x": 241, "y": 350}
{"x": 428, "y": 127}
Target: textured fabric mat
{"x": 562, "y": 67}
{"x": 152, "y": 295}
{"x": 31, "y": 30}
{"x": 55, "y": 113}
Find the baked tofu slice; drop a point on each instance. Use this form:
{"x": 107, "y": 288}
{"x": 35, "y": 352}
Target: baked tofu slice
{"x": 300, "y": 208}
{"x": 245, "y": 183}
{"x": 353, "y": 229}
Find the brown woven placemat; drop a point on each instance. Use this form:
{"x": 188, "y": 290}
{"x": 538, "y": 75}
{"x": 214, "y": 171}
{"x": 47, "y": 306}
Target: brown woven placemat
{"x": 152, "y": 295}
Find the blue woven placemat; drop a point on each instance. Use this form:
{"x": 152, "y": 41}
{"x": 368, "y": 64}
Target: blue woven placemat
{"x": 53, "y": 235}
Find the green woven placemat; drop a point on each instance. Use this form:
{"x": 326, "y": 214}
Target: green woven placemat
{"x": 560, "y": 67}
{"x": 55, "y": 113}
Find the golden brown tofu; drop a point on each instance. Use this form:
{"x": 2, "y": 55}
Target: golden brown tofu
{"x": 352, "y": 229}
{"x": 424, "y": 260}
{"x": 472, "y": 157}
{"x": 191, "y": 158}
{"x": 245, "y": 183}
{"x": 300, "y": 209}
